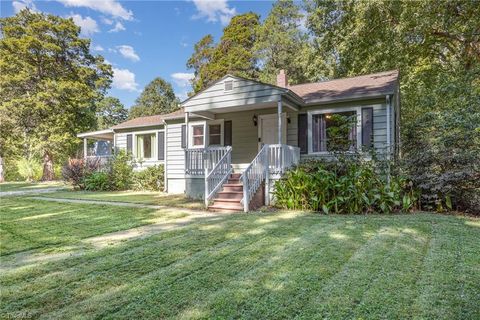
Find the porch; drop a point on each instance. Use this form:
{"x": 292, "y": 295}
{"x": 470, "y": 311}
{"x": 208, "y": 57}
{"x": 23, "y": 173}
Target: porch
{"x": 98, "y": 145}
{"x": 209, "y": 172}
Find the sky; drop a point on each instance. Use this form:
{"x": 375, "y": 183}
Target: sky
{"x": 144, "y": 39}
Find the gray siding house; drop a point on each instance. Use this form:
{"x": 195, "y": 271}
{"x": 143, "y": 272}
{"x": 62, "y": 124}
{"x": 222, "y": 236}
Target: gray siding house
{"x": 229, "y": 142}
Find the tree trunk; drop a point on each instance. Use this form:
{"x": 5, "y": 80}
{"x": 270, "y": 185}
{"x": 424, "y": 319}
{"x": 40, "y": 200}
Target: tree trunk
{"x": 2, "y": 173}
{"x": 48, "y": 173}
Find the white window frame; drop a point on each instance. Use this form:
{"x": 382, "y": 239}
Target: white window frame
{"x": 214, "y": 122}
{"x": 190, "y": 134}
{"x": 154, "y": 146}
{"x": 357, "y": 109}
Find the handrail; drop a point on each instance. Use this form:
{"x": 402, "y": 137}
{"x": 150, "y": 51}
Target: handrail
{"x": 216, "y": 177}
{"x": 254, "y": 175}
{"x": 282, "y": 157}
{"x": 199, "y": 159}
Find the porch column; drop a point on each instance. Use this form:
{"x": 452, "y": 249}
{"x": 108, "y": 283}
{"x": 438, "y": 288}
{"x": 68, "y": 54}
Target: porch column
{"x": 280, "y": 124}
{"x": 85, "y": 146}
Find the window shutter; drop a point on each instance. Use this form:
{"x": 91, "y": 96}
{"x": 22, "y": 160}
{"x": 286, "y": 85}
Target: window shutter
{"x": 129, "y": 143}
{"x": 367, "y": 127}
{"x": 184, "y": 138}
{"x": 161, "y": 145}
{"x": 227, "y": 133}
{"x": 303, "y": 133}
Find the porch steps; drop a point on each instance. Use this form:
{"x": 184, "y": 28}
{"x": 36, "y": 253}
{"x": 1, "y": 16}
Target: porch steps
{"x": 228, "y": 200}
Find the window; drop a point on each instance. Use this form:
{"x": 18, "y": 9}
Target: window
{"x": 145, "y": 143}
{"x": 228, "y": 85}
{"x": 367, "y": 128}
{"x": 197, "y": 135}
{"x": 334, "y": 131}
{"x": 215, "y": 134}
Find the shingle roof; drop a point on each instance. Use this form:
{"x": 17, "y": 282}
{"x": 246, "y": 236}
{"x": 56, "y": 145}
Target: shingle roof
{"x": 149, "y": 120}
{"x": 365, "y": 86}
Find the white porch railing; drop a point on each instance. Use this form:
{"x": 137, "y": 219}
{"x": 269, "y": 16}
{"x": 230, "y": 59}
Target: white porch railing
{"x": 281, "y": 157}
{"x": 217, "y": 176}
{"x": 253, "y": 176}
{"x": 271, "y": 160}
{"x": 199, "y": 159}
{"x": 102, "y": 160}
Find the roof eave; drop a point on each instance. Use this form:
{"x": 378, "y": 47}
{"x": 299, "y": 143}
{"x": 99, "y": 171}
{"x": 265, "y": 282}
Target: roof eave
{"x": 347, "y": 99}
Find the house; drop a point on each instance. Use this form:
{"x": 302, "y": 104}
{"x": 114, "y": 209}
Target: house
{"x": 228, "y": 142}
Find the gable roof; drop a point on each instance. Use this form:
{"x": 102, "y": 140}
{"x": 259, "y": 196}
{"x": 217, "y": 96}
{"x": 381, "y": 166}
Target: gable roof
{"x": 365, "y": 86}
{"x": 149, "y": 121}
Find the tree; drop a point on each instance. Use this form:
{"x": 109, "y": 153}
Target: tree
{"x": 281, "y": 44}
{"x": 110, "y": 111}
{"x": 234, "y": 53}
{"x": 436, "y": 47}
{"x": 158, "y": 97}
{"x": 201, "y": 57}
{"x": 50, "y": 83}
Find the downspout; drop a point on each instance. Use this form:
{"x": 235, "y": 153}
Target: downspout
{"x": 165, "y": 159}
{"x": 389, "y": 142}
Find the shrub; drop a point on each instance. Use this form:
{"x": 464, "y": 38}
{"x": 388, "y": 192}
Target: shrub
{"x": 29, "y": 169}
{"x": 121, "y": 170}
{"x": 75, "y": 171}
{"x": 98, "y": 181}
{"x": 152, "y": 179}
{"x": 346, "y": 186}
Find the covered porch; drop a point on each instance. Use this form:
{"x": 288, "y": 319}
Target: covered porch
{"x": 97, "y": 145}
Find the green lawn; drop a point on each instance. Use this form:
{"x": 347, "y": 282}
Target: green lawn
{"x": 144, "y": 197}
{"x": 257, "y": 266}
{"x": 25, "y": 186}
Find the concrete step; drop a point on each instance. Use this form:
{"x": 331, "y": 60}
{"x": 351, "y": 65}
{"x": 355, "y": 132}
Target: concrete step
{"x": 229, "y": 195}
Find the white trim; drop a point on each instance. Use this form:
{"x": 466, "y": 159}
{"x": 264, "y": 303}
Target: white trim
{"x": 165, "y": 162}
{"x": 154, "y": 146}
{"x": 190, "y": 134}
{"x": 94, "y": 133}
{"x": 357, "y": 109}
{"x": 213, "y": 122}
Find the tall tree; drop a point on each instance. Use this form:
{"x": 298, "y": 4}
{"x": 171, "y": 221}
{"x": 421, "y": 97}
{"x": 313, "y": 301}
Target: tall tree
{"x": 233, "y": 54}
{"x": 281, "y": 44}
{"x": 110, "y": 111}
{"x": 50, "y": 83}
{"x": 158, "y": 97}
{"x": 199, "y": 61}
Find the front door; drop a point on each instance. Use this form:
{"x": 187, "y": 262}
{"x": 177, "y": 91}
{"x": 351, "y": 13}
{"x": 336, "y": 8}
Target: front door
{"x": 268, "y": 129}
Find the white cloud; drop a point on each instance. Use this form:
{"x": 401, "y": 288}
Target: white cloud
{"x": 87, "y": 25}
{"x": 124, "y": 79}
{"x": 118, "y": 27}
{"x": 128, "y": 52}
{"x": 182, "y": 79}
{"x": 98, "y": 48}
{"x": 22, "y": 4}
{"x": 107, "y": 21}
{"x": 214, "y": 10}
{"x": 110, "y": 7}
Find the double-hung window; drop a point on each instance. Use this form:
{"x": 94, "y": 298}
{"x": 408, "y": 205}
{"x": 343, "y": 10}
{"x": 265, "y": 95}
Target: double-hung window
{"x": 145, "y": 145}
{"x": 215, "y": 134}
{"x": 198, "y": 135}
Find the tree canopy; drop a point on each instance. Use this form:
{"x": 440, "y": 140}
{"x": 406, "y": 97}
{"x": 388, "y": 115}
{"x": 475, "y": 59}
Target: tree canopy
{"x": 158, "y": 97}
{"x": 50, "y": 83}
{"x": 234, "y": 53}
{"x": 110, "y": 111}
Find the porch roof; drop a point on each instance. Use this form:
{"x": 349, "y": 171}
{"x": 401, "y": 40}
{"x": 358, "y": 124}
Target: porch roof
{"x": 106, "y": 134}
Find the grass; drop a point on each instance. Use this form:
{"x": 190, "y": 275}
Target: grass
{"x": 26, "y": 186}
{"x": 280, "y": 265}
{"x": 143, "y": 197}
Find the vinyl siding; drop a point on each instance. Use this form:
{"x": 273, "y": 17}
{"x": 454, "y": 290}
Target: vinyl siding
{"x": 175, "y": 155}
{"x": 244, "y": 92}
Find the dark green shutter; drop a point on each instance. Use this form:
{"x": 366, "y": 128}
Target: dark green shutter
{"x": 227, "y": 133}
{"x": 129, "y": 143}
{"x": 367, "y": 127}
{"x": 161, "y": 145}
{"x": 184, "y": 138}
{"x": 303, "y": 133}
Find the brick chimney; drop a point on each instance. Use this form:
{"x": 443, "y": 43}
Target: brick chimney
{"x": 282, "y": 80}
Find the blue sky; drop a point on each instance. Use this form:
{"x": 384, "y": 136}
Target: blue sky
{"x": 144, "y": 39}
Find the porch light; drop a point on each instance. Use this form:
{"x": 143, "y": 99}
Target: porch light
{"x": 255, "y": 120}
